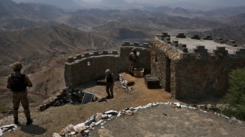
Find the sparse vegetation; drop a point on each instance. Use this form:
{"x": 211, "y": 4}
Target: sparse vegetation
{"x": 235, "y": 98}
{"x": 3, "y": 108}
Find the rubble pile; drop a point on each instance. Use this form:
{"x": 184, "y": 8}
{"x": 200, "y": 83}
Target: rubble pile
{"x": 7, "y": 128}
{"x": 65, "y": 96}
{"x": 100, "y": 119}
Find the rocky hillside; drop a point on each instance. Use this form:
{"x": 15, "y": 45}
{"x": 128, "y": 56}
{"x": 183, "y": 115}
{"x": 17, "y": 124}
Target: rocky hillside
{"x": 15, "y": 16}
{"x": 59, "y": 3}
{"x": 139, "y": 18}
{"x": 235, "y": 20}
{"x": 44, "y": 51}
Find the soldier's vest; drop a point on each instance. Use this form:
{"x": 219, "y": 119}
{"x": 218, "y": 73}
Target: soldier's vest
{"x": 18, "y": 83}
{"x": 109, "y": 78}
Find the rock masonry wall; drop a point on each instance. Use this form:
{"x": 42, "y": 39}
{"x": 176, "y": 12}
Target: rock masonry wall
{"x": 77, "y": 70}
{"x": 194, "y": 75}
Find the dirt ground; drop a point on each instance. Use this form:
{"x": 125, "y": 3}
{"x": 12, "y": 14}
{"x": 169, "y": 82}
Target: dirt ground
{"x": 178, "y": 123}
{"x": 54, "y": 119}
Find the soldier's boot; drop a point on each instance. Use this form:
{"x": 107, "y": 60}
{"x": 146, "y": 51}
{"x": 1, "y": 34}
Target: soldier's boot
{"x": 112, "y": 96}
{"x": 16, "y": 121}
{"x": 15, "y": 113}
{"x": 28, "y": 115}
{"x": 29, "y": 121}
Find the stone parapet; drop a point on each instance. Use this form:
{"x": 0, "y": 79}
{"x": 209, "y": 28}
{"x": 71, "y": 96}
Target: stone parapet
{"x": 189, "y": 68}
{"x": 92, "y": 66}
{"x": 200, "y": 50}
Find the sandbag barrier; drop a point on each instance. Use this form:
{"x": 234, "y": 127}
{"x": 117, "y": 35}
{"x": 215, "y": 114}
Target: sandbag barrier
{"x": 124, "y": 84}
{"x": 7, "y": 128}
{"x": 100, "y": 119}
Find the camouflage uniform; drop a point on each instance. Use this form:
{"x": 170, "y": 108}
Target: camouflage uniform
{"x": 21, "y": 96}
{"x": 133, "y": 61}
{"x": 109, "y": 85}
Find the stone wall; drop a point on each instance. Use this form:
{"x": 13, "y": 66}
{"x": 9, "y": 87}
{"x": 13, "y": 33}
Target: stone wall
{"x": 193, "y": 75}
{"x": 159, "y": 55}
{"x": 77, "y": 70}
{"x": 206, "y": 76}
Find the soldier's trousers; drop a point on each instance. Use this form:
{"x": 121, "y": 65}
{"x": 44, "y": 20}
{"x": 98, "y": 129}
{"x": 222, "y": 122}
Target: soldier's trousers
{"x": 21, "y": 97}
{"x": 131, "y": 66}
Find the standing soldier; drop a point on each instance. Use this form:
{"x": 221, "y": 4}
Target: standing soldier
{"x": 132, "y": 58}
{"x": 18, "y": 82}
{"x": 109, "y": 80}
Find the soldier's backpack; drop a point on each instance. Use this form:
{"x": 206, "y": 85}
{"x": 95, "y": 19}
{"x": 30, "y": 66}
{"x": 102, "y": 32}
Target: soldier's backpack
{"x": 18, "y": 83}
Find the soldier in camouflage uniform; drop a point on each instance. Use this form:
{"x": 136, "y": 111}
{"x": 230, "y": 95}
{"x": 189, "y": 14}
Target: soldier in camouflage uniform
{"x": 109, "y": 80}
{"x": 18, "y": 83}
{"x": 132, "y": 58}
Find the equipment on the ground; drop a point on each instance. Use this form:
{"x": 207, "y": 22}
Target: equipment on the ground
{"x": 152, "y": 82}
{"x": 88, "y": 97}
{"x": 139, "y": 72}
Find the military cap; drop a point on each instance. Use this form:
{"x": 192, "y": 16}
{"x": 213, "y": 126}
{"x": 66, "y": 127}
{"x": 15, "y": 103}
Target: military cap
{"x": 16, "y": 65}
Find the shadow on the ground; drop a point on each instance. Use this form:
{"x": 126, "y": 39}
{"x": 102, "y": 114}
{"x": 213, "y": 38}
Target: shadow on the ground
{"x": 32, "y": 129}
{"x": 86, "y": 85}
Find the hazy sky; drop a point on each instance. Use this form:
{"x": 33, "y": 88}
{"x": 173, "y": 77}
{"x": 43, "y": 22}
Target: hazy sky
{"x": 180, "y": 3}
{"x": 206, "y": 2}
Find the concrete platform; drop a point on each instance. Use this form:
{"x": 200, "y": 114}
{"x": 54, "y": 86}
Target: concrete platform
{"x": 210, "y": 45}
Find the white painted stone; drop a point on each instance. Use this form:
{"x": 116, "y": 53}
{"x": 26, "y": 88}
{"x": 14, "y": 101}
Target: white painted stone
{"x": 80, "y": 127}
{"x": 177, "y": 104}
{"x": 1, "y": 132}
{"x": 86, "y": 131}
{"x": 119, "y": 114}
{"x": 183, "y": 106}
{"x": 97, "y": 123}
{"x": 111, "y": 112}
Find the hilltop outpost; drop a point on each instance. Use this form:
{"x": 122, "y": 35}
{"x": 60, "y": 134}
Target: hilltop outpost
{"x": 186, "y": 67}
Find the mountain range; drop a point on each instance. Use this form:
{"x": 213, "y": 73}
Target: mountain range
{"x": 42, "y": 36}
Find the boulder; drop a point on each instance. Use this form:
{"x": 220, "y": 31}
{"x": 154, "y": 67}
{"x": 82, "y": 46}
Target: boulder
{"x": 79, "y": 127}
{"x": 97, "y": 123}
{"x": 98, "y": 117}
{"x": 129, "y": 113}
{"x": 56, "y": 135}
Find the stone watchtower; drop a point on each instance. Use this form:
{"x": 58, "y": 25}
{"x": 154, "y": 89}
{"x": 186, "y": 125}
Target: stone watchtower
{"x": 194, "y": 67}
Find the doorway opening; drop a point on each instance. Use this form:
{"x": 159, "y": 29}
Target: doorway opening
{"x": 168, "y": 75}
